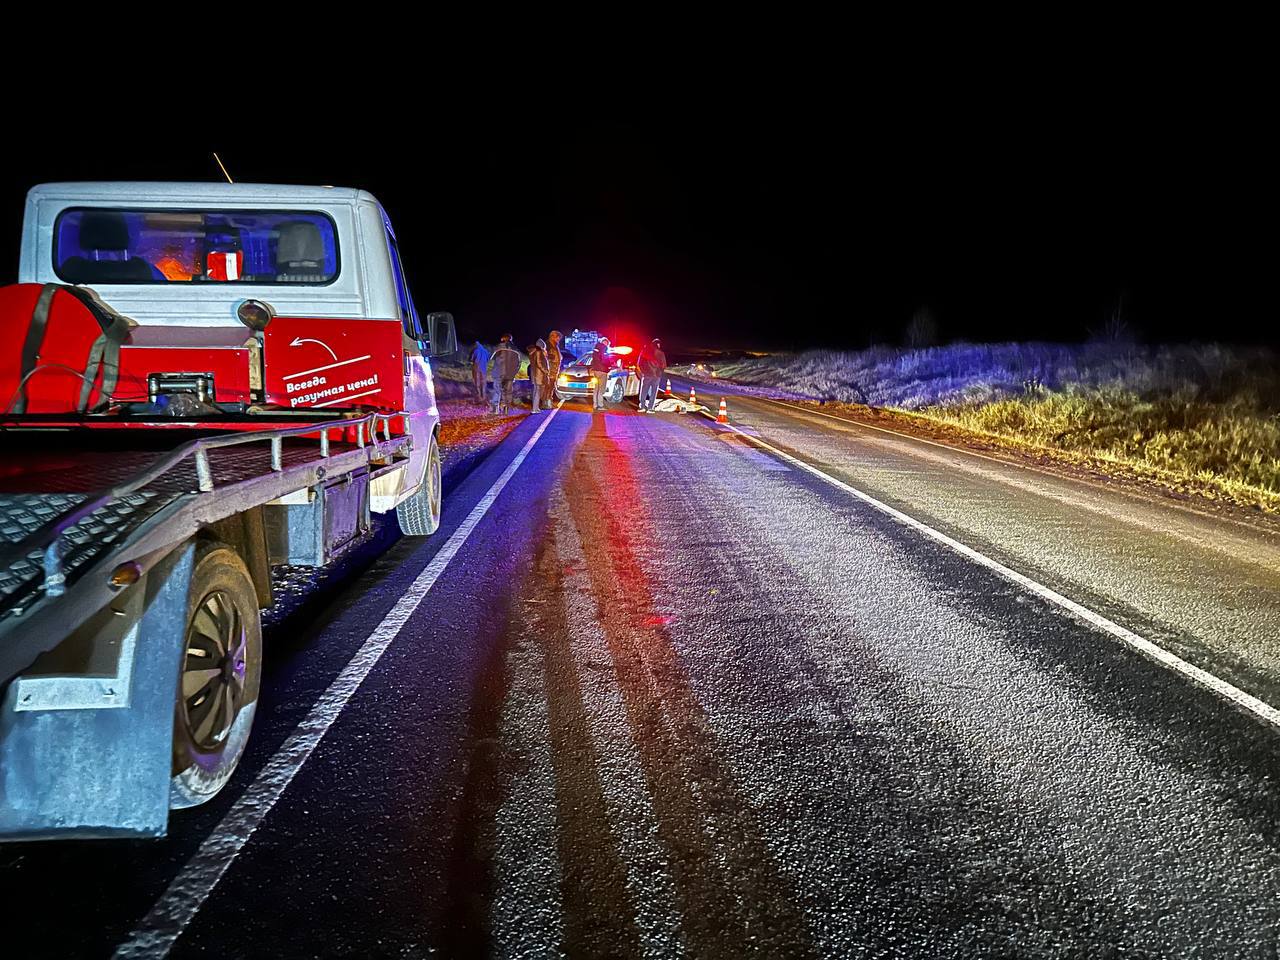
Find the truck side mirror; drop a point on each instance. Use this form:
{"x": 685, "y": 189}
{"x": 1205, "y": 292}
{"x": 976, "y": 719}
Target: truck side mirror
{"x": 442, "y": 337}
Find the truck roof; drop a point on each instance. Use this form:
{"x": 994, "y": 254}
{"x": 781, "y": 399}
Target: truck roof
{"x": 202, "y": 192}
{"x": 364, "y": 286}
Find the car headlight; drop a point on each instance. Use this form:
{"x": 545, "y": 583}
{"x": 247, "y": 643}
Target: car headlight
{"x": 592, "y": 381}
{"x": 563, "y": 380}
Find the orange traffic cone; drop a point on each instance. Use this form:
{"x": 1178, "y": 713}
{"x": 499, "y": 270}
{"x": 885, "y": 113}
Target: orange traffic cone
{"x": 693, "y": 395}
{"x": 668, "y": 386}
{"x": 723, "y": 415}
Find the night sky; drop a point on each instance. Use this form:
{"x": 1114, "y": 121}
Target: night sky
{"x": 782, "y": 221}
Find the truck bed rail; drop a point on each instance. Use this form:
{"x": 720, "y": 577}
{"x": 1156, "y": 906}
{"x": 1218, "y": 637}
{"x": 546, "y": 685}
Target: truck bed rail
{"x": 48, "y": 539}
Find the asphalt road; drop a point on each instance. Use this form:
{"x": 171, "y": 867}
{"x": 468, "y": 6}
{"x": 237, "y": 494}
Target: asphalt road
{"x": 671, "y": 694}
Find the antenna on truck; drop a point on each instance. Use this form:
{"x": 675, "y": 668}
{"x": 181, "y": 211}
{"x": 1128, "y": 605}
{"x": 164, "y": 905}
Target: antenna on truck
{"x": 222, "y": 167}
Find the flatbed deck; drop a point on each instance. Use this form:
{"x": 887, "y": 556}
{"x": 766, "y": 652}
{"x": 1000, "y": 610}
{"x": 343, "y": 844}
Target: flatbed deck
{"x": 73, "y": 506}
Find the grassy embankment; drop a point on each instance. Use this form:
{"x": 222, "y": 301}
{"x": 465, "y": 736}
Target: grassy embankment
{"x": 1203, "y": 419}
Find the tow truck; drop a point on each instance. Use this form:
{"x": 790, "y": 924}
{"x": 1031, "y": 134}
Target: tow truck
{"x": 200, "y": 381}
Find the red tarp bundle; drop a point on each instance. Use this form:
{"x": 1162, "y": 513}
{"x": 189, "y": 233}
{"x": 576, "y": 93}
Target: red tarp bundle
{"x": 45, "y": 371}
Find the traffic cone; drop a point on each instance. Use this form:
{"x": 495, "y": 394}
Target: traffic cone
{"x": 723, "y": 415}
{"x": 693, "y": 395}
{"x": 668, "y": 386}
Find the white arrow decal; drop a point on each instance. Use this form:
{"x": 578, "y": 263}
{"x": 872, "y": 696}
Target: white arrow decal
{"x": 298, "y": 341}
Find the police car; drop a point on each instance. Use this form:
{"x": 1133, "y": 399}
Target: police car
{"x": 577, "y": 382}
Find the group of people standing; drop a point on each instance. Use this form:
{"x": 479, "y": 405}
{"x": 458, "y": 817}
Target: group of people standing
{"x": 650, "y": 365}
{"x": 503, "y": 366}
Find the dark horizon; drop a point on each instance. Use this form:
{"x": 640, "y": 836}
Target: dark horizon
{"x": 785, "y": 231}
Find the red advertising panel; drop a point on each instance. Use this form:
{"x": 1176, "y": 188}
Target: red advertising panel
{"x": 334, "y": 363}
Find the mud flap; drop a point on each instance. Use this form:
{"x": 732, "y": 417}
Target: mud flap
{"x": 90, "y": 755}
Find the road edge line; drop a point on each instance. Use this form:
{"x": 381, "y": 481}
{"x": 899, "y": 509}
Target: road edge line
{"x": 182, "y": 899}
{"x": 1164, "y": 501}
{"x": 892, "y": 433}
{"x": 1153, "y": 651}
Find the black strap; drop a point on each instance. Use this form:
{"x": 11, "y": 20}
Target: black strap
{"x": 104, "y": 355}
{"x": 35, "y": 338}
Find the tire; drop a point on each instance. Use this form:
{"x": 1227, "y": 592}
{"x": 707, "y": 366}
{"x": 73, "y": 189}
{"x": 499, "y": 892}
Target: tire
{"x": 218, "y": 680}
{"x": 616, "y": 390}
{"x": 419, "y": 516}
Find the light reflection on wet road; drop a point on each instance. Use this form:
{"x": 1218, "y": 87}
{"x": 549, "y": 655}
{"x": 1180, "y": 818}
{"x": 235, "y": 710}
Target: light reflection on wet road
{"x": 672, "y": 698}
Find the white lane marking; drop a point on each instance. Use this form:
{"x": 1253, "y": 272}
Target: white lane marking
{"x": 766, "y": 462}
{"x": 1138, "y": 512}
{"x": 762, "y": 460}
{"x": 1246, "y": 701}
{"x": 327, "y": 366}
{"x": 1015, "y": 464}
{"x": 155, "y": 935}
{"x": 892, "y": 433}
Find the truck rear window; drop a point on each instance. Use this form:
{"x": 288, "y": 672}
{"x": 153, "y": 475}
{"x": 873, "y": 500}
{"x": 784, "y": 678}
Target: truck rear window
{"x": 100, "y": 245}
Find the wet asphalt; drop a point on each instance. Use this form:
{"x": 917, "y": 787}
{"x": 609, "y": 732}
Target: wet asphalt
{"x": 674, "y": 697}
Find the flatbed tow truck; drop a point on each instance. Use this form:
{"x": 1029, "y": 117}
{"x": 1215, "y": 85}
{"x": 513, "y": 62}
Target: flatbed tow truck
{"x": 200, "y": 381}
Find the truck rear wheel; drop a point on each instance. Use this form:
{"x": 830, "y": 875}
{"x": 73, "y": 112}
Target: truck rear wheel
{"x": 419, "y": 516}
{"x": 220, "y": 674}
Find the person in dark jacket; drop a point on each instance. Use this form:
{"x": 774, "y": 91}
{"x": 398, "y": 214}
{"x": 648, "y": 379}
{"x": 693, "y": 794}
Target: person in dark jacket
{"x": 504, "y": 367}
{"x": 539, "y": 373}
{"x": 599, "y": 367}
{"x": 554, "y": 358}
{"x": 479, "y": 369}
{"x": 651, "y": 364}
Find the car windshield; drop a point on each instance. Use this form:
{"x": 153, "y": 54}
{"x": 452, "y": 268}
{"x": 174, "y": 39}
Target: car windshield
{"x": 95, "y": 245}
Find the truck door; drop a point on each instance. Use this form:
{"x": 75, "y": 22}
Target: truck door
{"x": 408, "y": 313}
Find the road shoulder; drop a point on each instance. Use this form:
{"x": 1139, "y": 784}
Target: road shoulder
{"x": 1109, "y": 475}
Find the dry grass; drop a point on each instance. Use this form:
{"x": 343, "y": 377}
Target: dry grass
{"x": 1203, "y": 418}
{"x": 1228, "y": 449}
